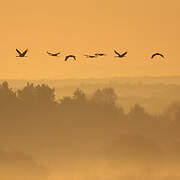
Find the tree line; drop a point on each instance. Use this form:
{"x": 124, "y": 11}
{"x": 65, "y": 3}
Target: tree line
{"x": 85, "y": 126}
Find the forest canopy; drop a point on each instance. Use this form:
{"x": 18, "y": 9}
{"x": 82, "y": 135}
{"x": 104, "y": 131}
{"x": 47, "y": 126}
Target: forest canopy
{"x": 82, "y": 127}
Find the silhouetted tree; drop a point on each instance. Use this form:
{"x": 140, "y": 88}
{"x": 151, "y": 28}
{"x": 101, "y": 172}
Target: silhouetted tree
{"x": 36, "y": 96}
{"x": 137, "y": 110}
{"x": 6, "y": 93}
{"x": 171, "y": 110}
{"x": 45, "y": 94}
{"x": 8, "y": 99}
{"x": 106, "y": 95}
{"x": 28, "y": 94}
{"x": 79, "y": 96}
{"x": 32, "y": 118}
{"x": 66, "y": 101}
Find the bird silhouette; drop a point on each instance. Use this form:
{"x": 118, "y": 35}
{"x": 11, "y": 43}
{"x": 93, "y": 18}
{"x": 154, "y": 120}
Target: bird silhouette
{"x": 120, "y": 55}
{"x": 53, "y": 54}
{"x": 90, "y": 56}
{"x": 100, "y": 54}
{"x": 157, "y": 54}
{"x": 21, "y": 54}
{"x": 70, "y": 56}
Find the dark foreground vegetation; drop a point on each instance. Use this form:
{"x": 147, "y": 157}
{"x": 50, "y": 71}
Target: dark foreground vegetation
{"x": 76, "y": 132}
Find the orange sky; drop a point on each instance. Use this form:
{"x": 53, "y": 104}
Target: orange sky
{"x": 83, "y": 26}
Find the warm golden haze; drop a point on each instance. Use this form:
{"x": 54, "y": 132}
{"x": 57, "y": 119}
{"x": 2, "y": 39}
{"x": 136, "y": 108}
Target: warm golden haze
{"x": 83, "y": 27}
{"x": 88, "y": 135}
{"x": 90, "y": 90}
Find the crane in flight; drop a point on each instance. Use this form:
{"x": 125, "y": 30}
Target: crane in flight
{"x": 70, "y": 56}
{"x": 157, "y": 54}
{"x": 120, "y": 55}
{"x": 21, "y": 54}
{"x": 53, "y": 54}
{"x": 90, "y": 56}
{"x": 100, "y": 54}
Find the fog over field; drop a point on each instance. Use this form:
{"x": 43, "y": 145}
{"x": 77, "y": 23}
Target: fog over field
{"x": 90, "y": 129}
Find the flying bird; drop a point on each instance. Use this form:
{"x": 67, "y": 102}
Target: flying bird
{"x": 70, "y": 56}
{"x": 120, "y": 55}
{"x": 157, "y": 54}
{"x": 100, "y": 54}
{"x": 53, "y": 54}
{"x": 90, "y": 56}
{"x": 21, "y": 54}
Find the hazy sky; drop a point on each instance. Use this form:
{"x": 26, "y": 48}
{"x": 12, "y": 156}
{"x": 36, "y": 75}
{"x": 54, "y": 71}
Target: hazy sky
{"x": 86, "y": 26}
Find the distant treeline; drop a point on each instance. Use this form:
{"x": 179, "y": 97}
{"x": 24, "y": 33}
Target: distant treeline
{"x": 153, "y": 93}
{"x": 38, "y": 98}
{"x": 80, "y": 127}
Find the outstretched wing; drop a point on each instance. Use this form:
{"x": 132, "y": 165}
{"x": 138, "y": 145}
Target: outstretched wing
{"x": 92, "y": 56}
{"x": 49, "y": 53}
{"x": 116, "y": 53}
{"x": 66, "y": 58}
{"x": 74, "y": 57}
{"x": 157, "y": 54}
{"x": 24, "y": 53}
{"x": 70, "y": 56}
{"x": 18, "y": 52}
{"x": 100, "y": 54}
{"x": 124, "y": 54}
{"x": 89, "y": 56}
{"x": 53, "y": 54}
{"x": 153, "y": 56}
{"x": 161, "y": 55}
